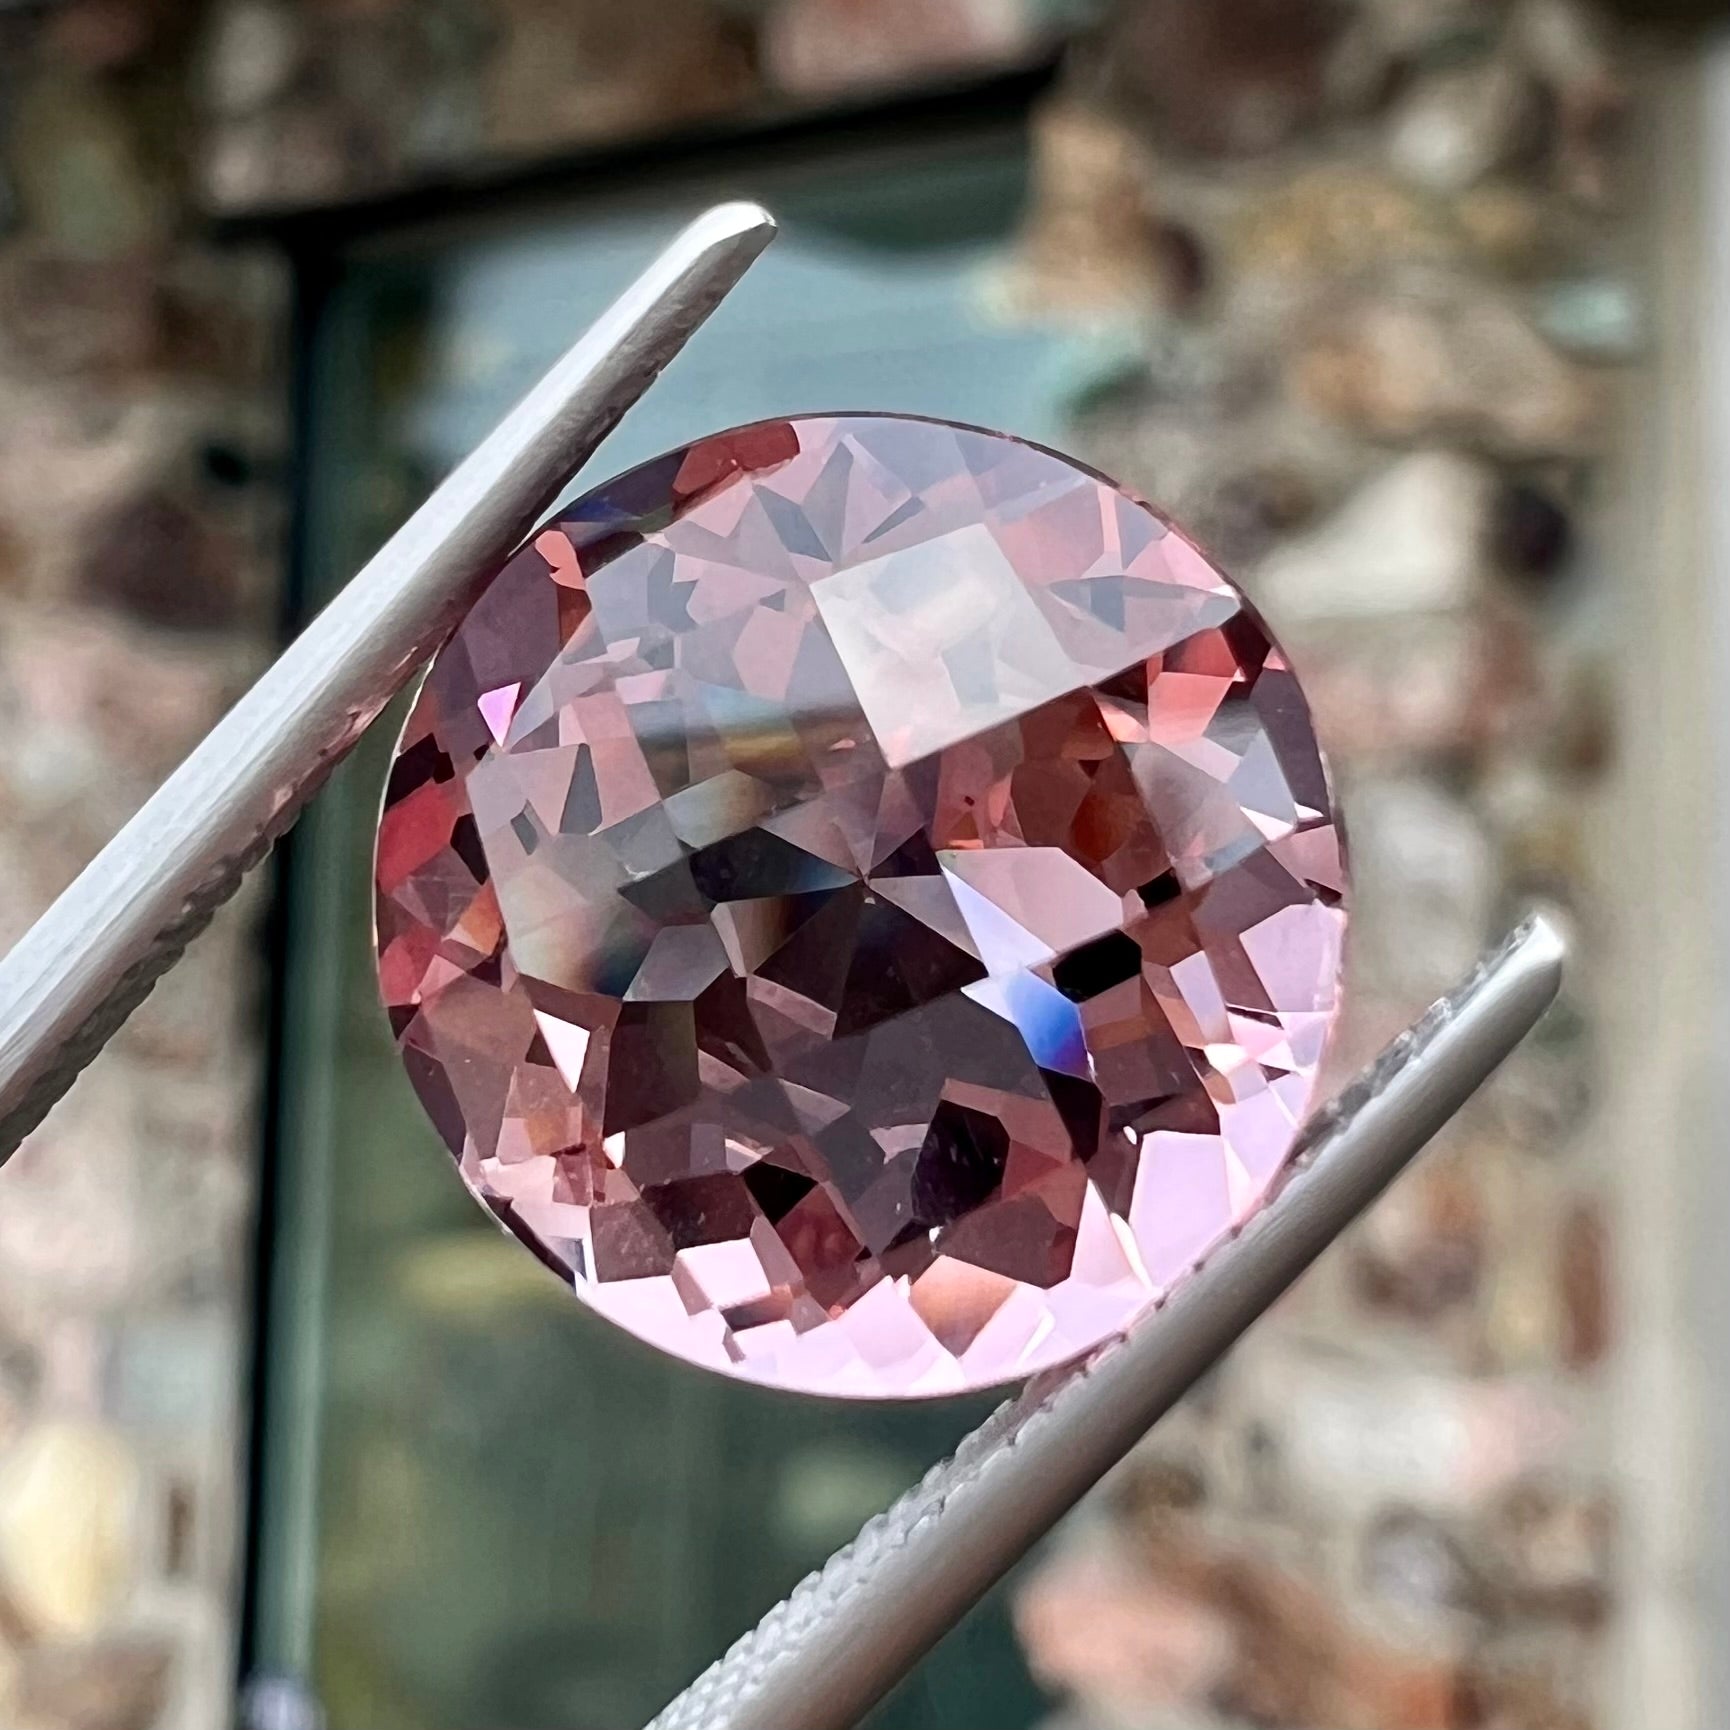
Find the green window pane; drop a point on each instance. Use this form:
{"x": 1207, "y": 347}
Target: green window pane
{"x": 483, "y": 1507}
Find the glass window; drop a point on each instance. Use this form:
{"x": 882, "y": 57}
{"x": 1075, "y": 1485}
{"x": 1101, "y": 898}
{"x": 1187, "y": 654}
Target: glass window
{"x": 480, "y": 1504}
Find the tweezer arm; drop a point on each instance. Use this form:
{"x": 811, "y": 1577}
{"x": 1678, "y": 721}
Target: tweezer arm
{"x": 90, "y": 960}
{"x": 849, "y": 1632}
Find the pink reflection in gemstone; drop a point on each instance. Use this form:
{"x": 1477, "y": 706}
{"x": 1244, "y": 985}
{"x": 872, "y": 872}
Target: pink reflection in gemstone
{"x": 860, "y": 898}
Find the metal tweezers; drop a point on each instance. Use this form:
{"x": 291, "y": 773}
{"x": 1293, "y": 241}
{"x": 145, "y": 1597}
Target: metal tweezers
{"x": 846, "y": 1635}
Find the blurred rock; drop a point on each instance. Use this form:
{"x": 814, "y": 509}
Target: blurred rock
{"x": 1088, "y": 243}
{"x": 816, "y": 47}
{"x": 107, "y": 715}
{"x": 1341, "y": 222}
{"x": 1182, "y": 270}
{"x": 1586, "y": 742}
{"x": 312, "y": 102}
{"x": 1597, "y": 318}
{"x": 1520, "y": 1317}
{"x": 1235, "y": 77}
{"x": 1250, "y": 509}
{"x": 1551, "y": 1550}
{"x": 1384, "y": 691}
{"x": 1430, "y": 33}
{"x": 269, "y": 161}
{"x": 1416, "y": 1567}
{"x": 252, "y": 53}
{"x": 573, "y": 69}
{"x": 113, "y": 35}
{"x": 1507, "y": 1695}
{"x": 1092, "y": 1623}
{"x": 1202, "y": 431}
{"x": 1529, "y": 533}
{"x": 1535, "y": 816}
{"x": 1507, "y": 225}
{"x": 1426, "y": 881}
{"x": 13, "y": 562}
{"x": 1457, "y": 126}
{"x": 1567, "y": 47}
{"x": 1334, "y": 223}
{"x": 63, "y": 314}
{"x": 1408, "y": 541}
{"x": 10, "y": 1665}
{"x": 160, "y": 561}
{"x": 21, "y": 1379}
{"x": 68, "y": 1497}
{"x": 1583, "y": 1273}
{"x": 406, "y": 80}
{"x": 1420, "y": 1252}
{"x": 72, "y": 1234}
{"x": 1458, "y": 362}
{"x": 1566, "y": 42}
{"x": 79, "y": 171}
{"x": 1159, "y": 1484}
{"x": 1300, "y": 1657}
{"x": 170, "y": 1369}
{"x": 1544, "y": 1091}
{"x": 1362, "y": 70}
{"x": 117, "y": 1684}
{"x": 1357, "y": 1436}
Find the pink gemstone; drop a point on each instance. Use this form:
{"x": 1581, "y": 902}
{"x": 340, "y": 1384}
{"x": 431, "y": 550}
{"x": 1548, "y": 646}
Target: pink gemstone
{"x": 859, "y": 896}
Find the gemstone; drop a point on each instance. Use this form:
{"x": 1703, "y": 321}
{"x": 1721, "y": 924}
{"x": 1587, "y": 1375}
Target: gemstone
{"x": 860, "y": 898}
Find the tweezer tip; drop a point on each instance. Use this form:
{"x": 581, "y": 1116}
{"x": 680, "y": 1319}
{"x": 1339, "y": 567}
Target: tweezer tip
{"x": 1537, "y": 952}
{"x": 1544, "y": 944}
{"x": 737, "y": 219}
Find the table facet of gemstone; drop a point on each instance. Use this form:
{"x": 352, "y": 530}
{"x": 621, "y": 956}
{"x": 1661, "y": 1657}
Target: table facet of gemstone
{"x": 860, "y": 899}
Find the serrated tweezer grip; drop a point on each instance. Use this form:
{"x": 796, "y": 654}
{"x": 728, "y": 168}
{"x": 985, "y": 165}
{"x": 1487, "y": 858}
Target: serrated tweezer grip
{"x": 849, "y": 1632}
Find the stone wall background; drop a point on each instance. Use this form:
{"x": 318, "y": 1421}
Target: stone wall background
{"x": 140, "y": 432}
{"x": 1394, "y": 300}
{"x": 1376, "y": 258}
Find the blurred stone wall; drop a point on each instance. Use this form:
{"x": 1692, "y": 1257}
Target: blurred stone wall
{"x": 1359, "y": 278}
{"x": 1384, "y": 261}
{"x": 140, "y": 434}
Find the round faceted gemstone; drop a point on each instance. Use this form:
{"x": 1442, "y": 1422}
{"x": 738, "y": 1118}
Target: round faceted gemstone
{"x": 859, "y": 898}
